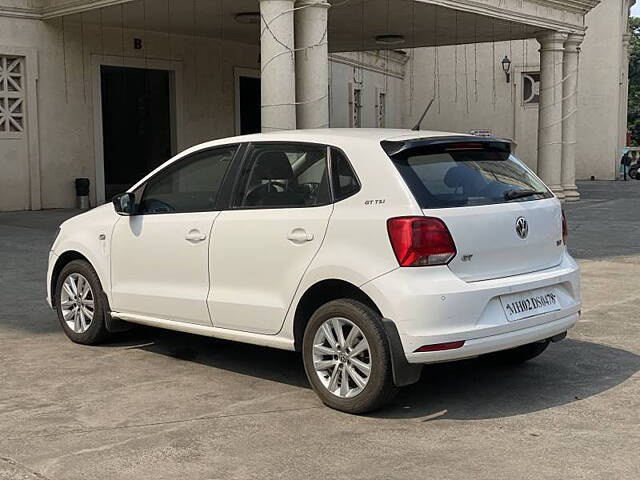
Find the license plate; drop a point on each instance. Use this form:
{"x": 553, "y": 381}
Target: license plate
{"x": 529, "y": 304}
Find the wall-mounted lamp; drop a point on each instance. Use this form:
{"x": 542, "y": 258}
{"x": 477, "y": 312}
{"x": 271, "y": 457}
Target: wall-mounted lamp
{"x": 506, "y": 66}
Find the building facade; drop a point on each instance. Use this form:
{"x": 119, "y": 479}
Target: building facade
{"x": 108, "y": 89}
{"x": 473, "y": 92}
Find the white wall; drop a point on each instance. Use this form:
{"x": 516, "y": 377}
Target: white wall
{"x": 370, "y": 80}
{"x": 66, "y": 118}
{"x": 601, "y": 71}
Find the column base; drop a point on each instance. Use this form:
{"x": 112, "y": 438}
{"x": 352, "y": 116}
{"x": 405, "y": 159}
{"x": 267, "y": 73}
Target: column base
{"x": 571, "y": 194}
{"x": 559, "y": 191}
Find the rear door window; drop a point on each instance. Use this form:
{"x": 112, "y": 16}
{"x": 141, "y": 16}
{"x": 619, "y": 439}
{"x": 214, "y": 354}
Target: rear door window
{"x": 459, "y": 175}
{"x": 284, "y": 176}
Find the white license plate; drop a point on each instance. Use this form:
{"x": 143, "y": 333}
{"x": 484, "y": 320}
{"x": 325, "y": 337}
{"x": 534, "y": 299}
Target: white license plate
{"x": 529, "y": 304}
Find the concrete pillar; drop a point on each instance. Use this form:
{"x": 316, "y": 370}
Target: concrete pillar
{"x": 623, "y": 126}
{"x": 278, "y": 77}
{"x": 569, "y": 116}
{"x": 550, "y": 114}
{"x": 312, "y": 64}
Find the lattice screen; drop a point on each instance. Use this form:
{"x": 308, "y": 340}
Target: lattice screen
{"x": 11, "y": 95}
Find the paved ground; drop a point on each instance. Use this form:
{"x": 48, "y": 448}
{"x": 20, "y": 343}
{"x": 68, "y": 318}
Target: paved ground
{"x": 162, "y": 405}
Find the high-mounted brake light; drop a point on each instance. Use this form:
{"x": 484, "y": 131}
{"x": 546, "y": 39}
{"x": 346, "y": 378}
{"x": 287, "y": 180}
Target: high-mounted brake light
{"x": 565, "y": 228}
{"x": 420, "y": 241}
{"x": 464, "y": 146}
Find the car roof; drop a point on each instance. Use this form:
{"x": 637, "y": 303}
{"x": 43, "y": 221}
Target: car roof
{"x": 333, "y": 136}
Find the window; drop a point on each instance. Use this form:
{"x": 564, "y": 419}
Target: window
{"x": 355, "y": 106}
{"x": 279, "y": 176}
{"x": 12, "y": 101}
{"x": 459, "y": 176}
{"x": 381, "y": 109}
{"x": 189, "y": 185}
{"x": 345, "y": 182}
{"x": 531, "y": 88}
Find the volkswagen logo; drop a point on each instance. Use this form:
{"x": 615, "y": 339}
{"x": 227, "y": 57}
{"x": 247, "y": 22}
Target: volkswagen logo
{"x": 522, "y": 228}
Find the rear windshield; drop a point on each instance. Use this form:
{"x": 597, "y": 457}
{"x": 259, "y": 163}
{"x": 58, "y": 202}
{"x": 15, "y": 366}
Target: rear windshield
{"x": 454, "y": 175}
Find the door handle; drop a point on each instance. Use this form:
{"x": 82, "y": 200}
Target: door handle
{"x": 299, "y": 235}
{"x": 195, "y": 236}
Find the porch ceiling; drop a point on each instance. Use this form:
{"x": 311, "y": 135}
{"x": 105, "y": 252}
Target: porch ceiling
{"x": 353, "y": 24}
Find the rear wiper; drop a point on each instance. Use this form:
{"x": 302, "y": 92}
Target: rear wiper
{"x": 516, "y": 194}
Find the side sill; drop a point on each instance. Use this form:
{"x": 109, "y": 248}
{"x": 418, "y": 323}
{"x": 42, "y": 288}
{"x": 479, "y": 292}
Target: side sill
{"x": 209, "y": 331}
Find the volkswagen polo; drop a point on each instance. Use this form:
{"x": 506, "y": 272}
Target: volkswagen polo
{"x": 371, "y": 252}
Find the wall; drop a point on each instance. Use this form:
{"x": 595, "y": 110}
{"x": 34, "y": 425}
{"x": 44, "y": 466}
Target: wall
{"x": 461, "y": 106}
{"x": 372, "y": 72}
{"x": 65, "y": 96}
{"x": 471, "y": 91}
{"x": 601, "y": 74}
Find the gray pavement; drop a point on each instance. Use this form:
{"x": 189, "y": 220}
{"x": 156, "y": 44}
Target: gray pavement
{"x": 164, "y": 405}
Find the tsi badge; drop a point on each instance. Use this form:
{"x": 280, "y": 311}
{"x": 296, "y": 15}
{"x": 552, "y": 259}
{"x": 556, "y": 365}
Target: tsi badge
{"x": 522, "y": 227}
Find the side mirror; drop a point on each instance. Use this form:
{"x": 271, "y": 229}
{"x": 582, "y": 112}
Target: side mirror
{"x": 124, "y": 204}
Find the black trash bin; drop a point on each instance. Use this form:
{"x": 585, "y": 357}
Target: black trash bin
{"x": 82, "y": 193}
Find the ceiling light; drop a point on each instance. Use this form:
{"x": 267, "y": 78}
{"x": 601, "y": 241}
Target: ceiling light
{"x": 389, "y": 39}
{"x": 248, "y": 18}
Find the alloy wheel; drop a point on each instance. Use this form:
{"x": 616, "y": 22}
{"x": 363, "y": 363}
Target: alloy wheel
{"x": 341, "y": 357}
{"x": 77, "y": 303}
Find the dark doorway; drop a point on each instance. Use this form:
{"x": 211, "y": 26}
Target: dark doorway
{"x": 249, "y": 105}
{"x": 136, "y": 123}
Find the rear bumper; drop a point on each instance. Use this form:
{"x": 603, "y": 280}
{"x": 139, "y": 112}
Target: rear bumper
{"x": 496, "y": 343}
{"x": 431, "y": 306}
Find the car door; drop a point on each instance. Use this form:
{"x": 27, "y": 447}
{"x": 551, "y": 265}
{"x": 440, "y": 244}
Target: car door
{"x": 159, "y": 257}
{"x": 263, "y": 244}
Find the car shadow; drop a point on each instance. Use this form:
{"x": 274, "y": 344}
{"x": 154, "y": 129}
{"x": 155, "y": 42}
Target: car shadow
{"x": 474, "y": 389}
{"x": 478, "y": 389}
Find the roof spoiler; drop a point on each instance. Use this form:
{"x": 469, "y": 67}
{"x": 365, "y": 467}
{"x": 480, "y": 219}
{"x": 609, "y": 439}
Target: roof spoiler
{"x": 393, "y": 148}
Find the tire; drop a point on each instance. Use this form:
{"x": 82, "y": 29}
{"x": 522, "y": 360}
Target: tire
{"x": 633, "y": 174}
{"x": 366, "y": 394}
{"x": 521, "y": 354}
{"x": 82, "y": 328}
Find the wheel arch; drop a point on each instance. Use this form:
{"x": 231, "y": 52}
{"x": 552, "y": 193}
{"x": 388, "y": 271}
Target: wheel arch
{"x": 63, "y": 260}
{"x": 320, "y": 293}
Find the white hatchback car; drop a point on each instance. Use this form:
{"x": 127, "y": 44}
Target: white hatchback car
{"x": 373, "y": 252}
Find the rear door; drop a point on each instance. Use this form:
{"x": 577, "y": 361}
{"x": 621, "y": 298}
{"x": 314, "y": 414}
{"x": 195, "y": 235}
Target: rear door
{"x": 470, "y": 185}
{"x": 263, "y": 244}
{"x": 159, "y": 257}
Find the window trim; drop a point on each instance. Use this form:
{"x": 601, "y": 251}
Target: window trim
{"x": 355, "y": 174}
{"x": 175, "y": 164}
{"x": 244, "y": 170}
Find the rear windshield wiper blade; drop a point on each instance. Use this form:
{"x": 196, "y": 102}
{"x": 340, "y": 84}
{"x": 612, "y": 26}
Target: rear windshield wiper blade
{"x": 516, "y": 194}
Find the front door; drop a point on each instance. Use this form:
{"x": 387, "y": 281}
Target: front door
{"x": 136, "y": 124}
{"x": 261, "y": 247}
{"x": 159, "y": 257}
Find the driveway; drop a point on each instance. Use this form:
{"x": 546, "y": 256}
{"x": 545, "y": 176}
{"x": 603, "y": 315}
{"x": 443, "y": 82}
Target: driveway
{"x": 160, "y": 405}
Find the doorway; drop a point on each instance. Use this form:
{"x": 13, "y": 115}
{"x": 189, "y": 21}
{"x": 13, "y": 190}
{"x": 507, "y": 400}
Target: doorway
{"x": 136, "y": 124}
{"x": 248, "y": 118}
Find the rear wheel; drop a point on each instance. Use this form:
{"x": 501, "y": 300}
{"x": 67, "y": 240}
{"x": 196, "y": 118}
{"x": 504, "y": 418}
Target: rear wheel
{"x": 521, "y": 354}
{"x": 79, "y": 303}
{"x": 347, "y": 357}
{"x": 633, "y": 173}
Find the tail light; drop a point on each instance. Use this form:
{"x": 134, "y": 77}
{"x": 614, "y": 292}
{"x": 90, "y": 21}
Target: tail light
{"x": 565, "y": 228}
{"x": 420, "y": 241}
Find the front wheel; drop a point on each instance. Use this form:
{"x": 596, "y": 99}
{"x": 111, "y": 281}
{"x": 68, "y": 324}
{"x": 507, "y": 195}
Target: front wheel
{"x": 633, "y": 174}
{"x": 347, "y": 357}
{"x": 79, "y": 303}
